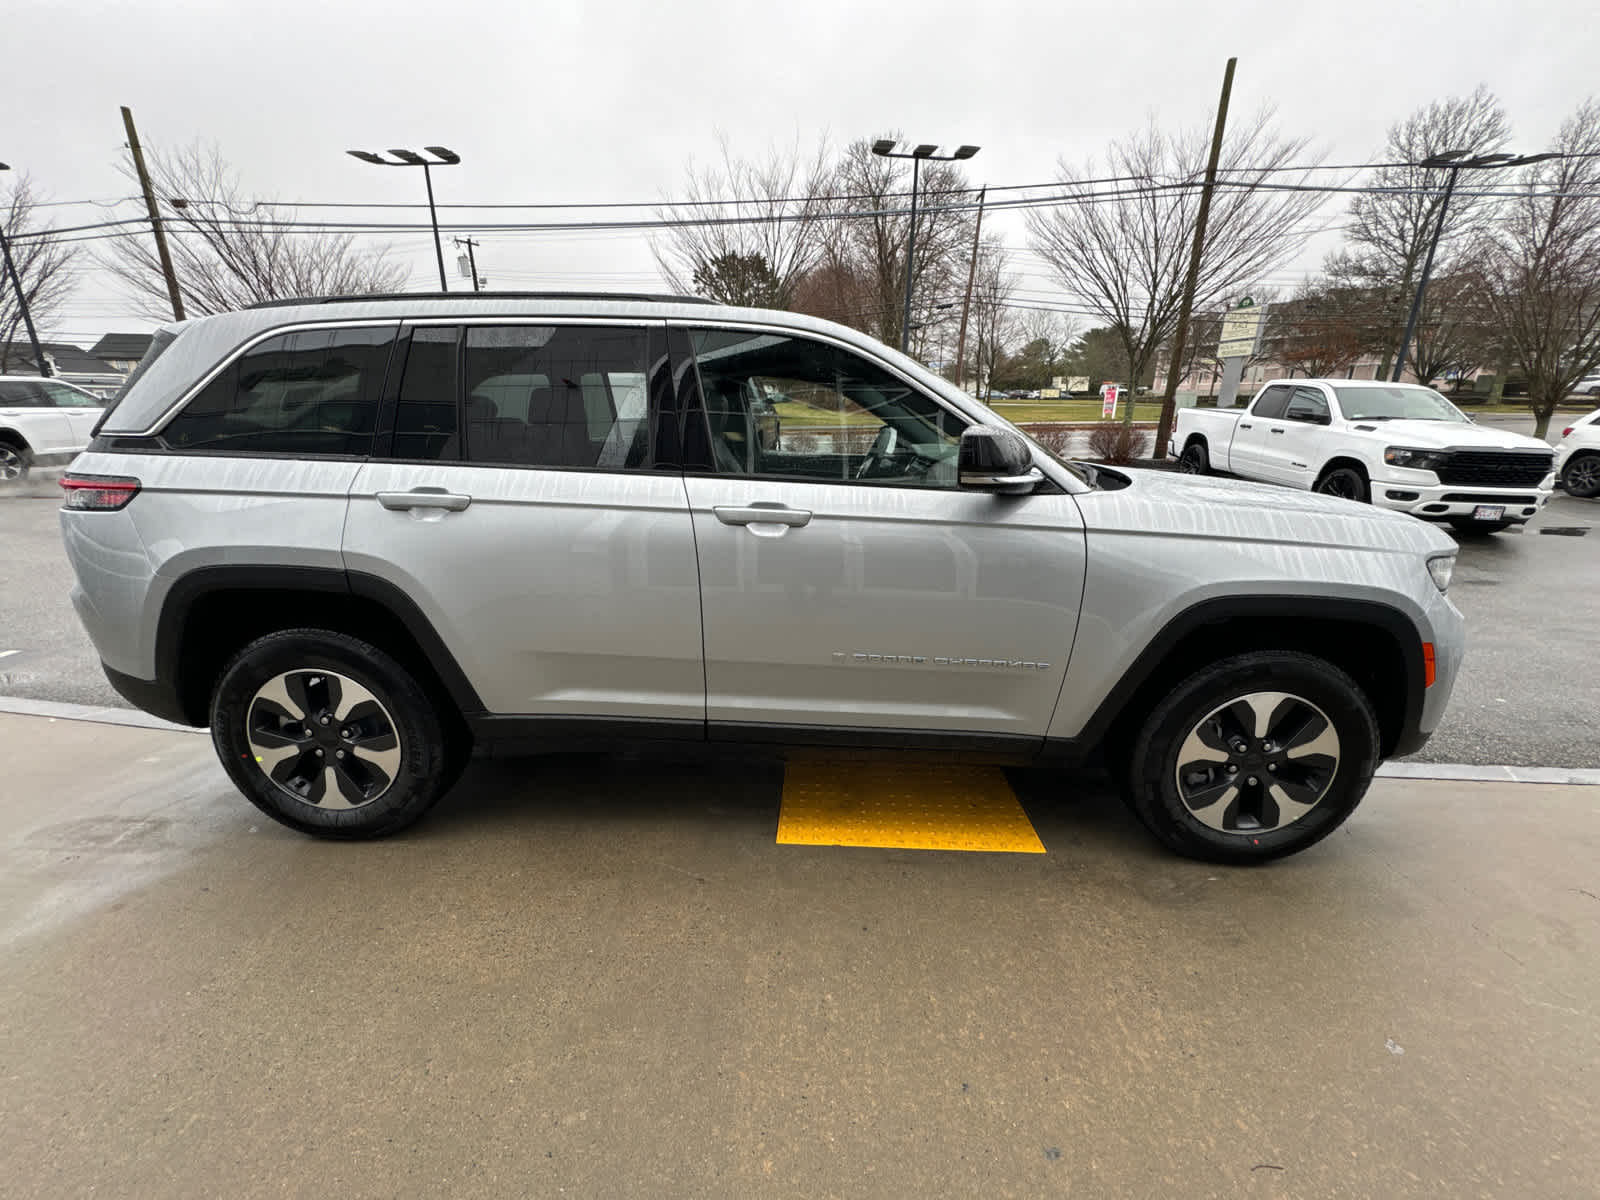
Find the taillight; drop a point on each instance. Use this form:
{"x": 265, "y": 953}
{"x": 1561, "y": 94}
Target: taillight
{"x": 1567, "y": 432}
{"x": 98, "y": 493}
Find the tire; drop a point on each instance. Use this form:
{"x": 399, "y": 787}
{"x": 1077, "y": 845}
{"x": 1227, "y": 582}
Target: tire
{"x": 1345, "y": 482}
{"x": 1194, "y": 460}
{"x": 1306, "y": 702}
{"x": 1471, "y": 528}
{"x": 15, "y": 462}
{"x": 1581, "y": 476}
{"x": 284, "y": 692}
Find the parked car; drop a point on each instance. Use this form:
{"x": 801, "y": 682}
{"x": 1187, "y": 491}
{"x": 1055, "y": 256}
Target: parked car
{"x": 1589, "y": 385}
{"x": 1578, "y": 456}
{"x": 42, "y": 421}
{"x": 1395, "y": 445}
{"x": 362, "y": 538}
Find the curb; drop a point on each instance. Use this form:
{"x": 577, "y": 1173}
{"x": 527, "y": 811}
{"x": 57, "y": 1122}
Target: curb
{"x": 1461, "y": 772}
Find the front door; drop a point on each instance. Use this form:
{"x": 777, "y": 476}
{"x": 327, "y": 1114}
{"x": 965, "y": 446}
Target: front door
{"x": 1302, "y": 441}
{"x": 528, "y": 507}
{"x": 848, "y": 585}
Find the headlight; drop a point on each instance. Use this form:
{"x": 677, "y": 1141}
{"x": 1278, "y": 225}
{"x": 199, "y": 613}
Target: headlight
{"x": 1440, "y": 566}
{"x": 1416, "y": 460}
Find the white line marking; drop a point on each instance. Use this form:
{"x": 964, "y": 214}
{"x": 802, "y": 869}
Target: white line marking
{"x": 9, "y": 653}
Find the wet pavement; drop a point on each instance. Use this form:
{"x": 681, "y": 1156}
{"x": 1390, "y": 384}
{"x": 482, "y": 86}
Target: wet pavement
{"x": 589, "y": 977}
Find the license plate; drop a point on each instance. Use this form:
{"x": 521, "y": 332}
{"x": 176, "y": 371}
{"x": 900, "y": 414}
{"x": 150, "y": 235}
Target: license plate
{"x": 1488, "y": 512}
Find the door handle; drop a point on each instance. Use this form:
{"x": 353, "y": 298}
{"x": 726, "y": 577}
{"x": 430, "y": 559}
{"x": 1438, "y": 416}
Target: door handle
{"x": 1277, "y": 429}
{"x": 762, "y": 514}
{"x": 1244, "y": 425}
{"x": 424, "y": 498}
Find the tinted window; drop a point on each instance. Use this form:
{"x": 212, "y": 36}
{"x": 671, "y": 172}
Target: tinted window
{"x": 1307, "y": 405}
{"x": 557, "y": 396}
{"x": 16, "y": 393}
{"x": 63, "y": 396}
{"x": 298, "y": 393}
{"x": 792, "y": 408}
{"x": 425, "y": 419}
{"x": 1272, "y": 403}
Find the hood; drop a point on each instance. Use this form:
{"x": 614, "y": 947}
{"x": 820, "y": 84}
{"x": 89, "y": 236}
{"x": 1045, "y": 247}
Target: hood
{"x": 1439, "y": 435}
{"x": 1204, "y": 506}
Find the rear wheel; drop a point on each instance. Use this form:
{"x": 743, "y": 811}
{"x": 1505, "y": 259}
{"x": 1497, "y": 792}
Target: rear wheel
{"x": 1256, "y": 757}
{"x": 14, "y": 462}
{"x": 1194, "y": 460}
{"x": 1581, "y": 475}
{"x": 329, "y": 735}
{"x": 1345, "y": 482}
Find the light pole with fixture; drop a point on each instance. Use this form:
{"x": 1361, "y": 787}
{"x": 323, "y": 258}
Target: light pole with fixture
{"x": 410, "y": 158}
{"x": 889, "y": 148}
{"x": 1456, "y": 160}
{"x": 22, "y": 298}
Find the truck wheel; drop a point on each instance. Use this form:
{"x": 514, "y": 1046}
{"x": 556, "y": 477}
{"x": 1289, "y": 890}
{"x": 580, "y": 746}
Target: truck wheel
{"x": 1194, "y": 460}
{"x": 1581, "y": 475}
{"x": 329, "y": 735}
{"x": 1256, "y": 757}
{"x": 1345, "y": 482}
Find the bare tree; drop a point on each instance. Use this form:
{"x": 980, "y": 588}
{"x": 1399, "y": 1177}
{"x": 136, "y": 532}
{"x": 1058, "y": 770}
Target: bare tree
{"x": 992, "y": 323}
{"x": 1456, "y": 332}
{"x": 870, "y": 227}
{"x": 1390, "y": 228}
{"x": 746, "y": 232}
{"x": 229, "y": 250}
{"x": 1124, "y": 247}
{"x": 1323, "y": 329}
{"x": 1542, "y": 263}
{"x": 44, "y": 267}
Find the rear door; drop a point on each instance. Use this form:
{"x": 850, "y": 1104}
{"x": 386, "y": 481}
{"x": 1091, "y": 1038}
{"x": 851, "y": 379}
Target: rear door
{"x": 536, "y": 515}
{"x": 80, "y": 408}
{"x": 1250, "y": 454}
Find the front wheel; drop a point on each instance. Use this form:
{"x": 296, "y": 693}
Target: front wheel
{"x": 1345, "y": 482}
{"x": 1256, "y": 757}
{"x": 329, "y": 735}
{"x": 1581, "y": 476}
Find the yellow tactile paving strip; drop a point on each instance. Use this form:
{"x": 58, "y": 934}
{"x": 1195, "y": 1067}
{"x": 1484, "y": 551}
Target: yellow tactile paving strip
{"x": 912, "y": 806}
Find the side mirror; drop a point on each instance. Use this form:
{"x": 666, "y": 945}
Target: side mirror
{"x": 993, "y": 459}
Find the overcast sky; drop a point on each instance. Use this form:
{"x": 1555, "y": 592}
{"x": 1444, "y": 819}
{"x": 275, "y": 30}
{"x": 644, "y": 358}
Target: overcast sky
{"x": 551, "y": 102}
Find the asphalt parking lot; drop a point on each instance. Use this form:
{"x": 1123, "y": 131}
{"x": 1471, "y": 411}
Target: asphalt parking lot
{"x": 601, "y": 979}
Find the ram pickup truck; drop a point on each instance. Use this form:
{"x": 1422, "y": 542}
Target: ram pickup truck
{"x": 1395, "y": 445}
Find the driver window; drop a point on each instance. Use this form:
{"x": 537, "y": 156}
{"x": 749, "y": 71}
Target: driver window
{"x": 785, "y": 407}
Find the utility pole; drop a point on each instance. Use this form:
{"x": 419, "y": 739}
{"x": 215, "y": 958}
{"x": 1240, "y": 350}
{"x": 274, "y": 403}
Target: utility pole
{"x": 472, "y": 262}
{"x": 155, "y": 214}
{"x": 22, "y": 299}
{"x": 966, "y": 305}
{"x": 1181, "y": 335}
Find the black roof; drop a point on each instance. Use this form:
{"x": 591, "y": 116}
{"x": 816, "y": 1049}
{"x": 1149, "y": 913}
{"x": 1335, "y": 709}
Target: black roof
{"x": 122, "y": 345}
{"x": 637, "y": 297}
{"x": 69, "y": 360}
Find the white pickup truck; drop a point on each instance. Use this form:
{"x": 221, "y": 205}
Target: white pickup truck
{"x": 1397, "y": 445}
{"x": 42, "y": 421}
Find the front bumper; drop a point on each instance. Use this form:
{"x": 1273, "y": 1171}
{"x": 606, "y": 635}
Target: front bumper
{"x": 1439, "y": 501}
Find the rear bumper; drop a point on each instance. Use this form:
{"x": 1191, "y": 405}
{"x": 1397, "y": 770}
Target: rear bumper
{"x": 1437, "y": 501}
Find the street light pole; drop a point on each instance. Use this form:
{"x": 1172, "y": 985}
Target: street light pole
{"x": 410, "y": 158}
{"x": 1456, "y": 160}
{"x": 22, "y": 298}
{"x": 889, "y": 148}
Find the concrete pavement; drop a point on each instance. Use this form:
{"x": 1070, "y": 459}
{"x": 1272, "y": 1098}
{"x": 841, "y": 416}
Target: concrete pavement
{"x": 583, "y": 977}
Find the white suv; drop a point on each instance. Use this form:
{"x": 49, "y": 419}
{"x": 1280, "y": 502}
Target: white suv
{"x": 362, "y": 538}
{"x": 1578, "y": 456}
{"x": 42, "y": 421}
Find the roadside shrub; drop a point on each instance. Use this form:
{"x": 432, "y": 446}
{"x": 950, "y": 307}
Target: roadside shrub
{"x": 1117, "y": 443}
{"x": 1057, "y": 441}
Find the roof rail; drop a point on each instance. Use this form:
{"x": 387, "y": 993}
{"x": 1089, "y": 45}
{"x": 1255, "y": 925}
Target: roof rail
{"x": 358, "y": 299}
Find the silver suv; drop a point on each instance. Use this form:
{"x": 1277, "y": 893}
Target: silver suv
{"x": 360, "y": 538}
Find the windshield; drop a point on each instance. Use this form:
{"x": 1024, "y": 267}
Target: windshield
{"x": 1377, "y": 402}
